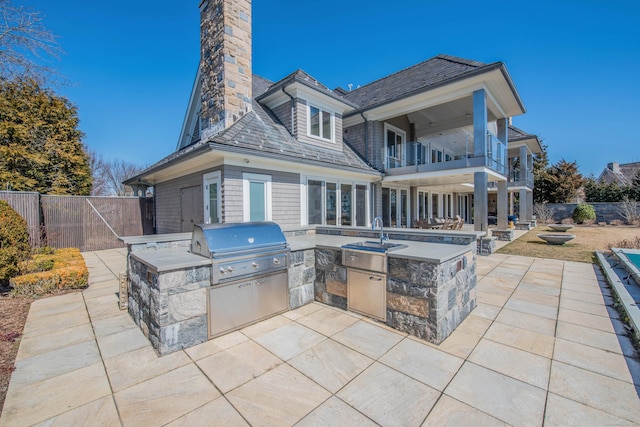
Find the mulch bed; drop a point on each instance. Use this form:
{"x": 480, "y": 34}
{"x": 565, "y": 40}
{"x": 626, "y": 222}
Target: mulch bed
{"x": 13, "y": 315}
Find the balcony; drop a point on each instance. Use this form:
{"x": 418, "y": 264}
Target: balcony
{"x": 518, "y": 179}
{"x": 414, "y": 157}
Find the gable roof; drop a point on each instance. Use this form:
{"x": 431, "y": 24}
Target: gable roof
{"x": 621, "y": 174}
{"x": 260, "y": 132}
{"x": 306, "y": 80}
{"x": 429, "y": 74}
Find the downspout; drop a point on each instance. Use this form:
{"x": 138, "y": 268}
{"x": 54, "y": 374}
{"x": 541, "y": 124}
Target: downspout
{"x": 366, "y": 138}
{"x": 373, "y": 201}
{"x": 293, "y": 122}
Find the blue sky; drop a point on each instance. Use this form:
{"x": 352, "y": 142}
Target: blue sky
{"x": 131, "y": 64}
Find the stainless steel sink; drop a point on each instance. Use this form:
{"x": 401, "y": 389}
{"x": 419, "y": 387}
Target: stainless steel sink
{"x": 374, "y": 246}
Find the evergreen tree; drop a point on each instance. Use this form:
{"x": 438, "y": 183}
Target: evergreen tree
{"x": 540, "y": 176}
{"x": 564, "y": 182}
{"x": 635, "y": 187}
{"x": 40, "y": 143}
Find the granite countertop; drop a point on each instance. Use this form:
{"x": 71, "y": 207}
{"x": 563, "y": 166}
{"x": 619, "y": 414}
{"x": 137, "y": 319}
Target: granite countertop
{"x": 168, "y": 259}
{"x": 155, "y": 238}
{"x": 426, "y": 251}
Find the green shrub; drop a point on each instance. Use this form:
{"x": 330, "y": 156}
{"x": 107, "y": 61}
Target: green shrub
{"x": 68, "y": 271}
{"x": 14, "y": 241}
{"x": 584, "y": 212}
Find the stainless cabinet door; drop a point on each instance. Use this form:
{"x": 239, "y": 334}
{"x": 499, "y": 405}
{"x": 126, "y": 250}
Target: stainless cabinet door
{"x": 230, "y": 306}
{"x": 271, "y": 294}
{"x": 367, "y": 293}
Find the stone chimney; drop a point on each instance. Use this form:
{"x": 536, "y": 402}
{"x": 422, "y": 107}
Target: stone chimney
{"x": 614, "y": 166}
{"x": 225, "y": 63}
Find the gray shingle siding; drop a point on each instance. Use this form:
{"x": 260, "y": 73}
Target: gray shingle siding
{"x": 168, "y": 209}
{"x": 302, "y": 114}
{"x": 283, "y": 113}
{"x": 285, "y": 195}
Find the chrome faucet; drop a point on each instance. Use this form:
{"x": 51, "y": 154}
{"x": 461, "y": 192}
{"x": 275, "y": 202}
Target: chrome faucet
{"x": 378, "y": 220}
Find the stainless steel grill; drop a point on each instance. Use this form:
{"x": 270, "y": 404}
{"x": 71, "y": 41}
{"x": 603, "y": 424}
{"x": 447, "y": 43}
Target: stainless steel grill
{"x": 239, "y": 250}
{"x": 249, "y": 272}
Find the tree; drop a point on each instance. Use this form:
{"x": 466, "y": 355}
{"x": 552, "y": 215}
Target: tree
{"x": 605, "y": 192}
{"x": 635, "y": 187}
{"x": 557, "y": 184}
{"x": 40, "y": 144}
{"x": 540, "y": 178}
{"x": 108, "y": 176}
{"x": 24, "y": 43}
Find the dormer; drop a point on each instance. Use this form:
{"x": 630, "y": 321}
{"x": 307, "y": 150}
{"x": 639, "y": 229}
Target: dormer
{"x": 309, "y": 110}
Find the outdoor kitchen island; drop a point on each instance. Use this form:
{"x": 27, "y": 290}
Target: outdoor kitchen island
{"x": 430, "y": 287}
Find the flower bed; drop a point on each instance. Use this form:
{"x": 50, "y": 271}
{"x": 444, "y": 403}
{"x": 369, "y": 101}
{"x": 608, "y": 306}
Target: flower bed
{"x": 53, "y": 270}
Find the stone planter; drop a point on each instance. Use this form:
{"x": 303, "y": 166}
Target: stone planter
{"x": 556, "y": 239}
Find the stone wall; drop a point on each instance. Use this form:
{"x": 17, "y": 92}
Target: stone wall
{"x": 171, "y": 307}
{"x": 429, "y": 300}
{"x": 331, "y": 278}
{"x": 425, "y": 299}
{"x": 605, "y": 212}
{"x": 302, "y": 275}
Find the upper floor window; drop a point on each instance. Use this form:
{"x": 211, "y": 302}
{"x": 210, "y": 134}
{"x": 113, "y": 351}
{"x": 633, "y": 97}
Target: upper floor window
{"x": 320, "y": 123}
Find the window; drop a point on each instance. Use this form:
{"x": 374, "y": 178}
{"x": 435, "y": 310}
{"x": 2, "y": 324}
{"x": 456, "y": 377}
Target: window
{"x": 212, "y": 202}
{"x": 395, "y": 207}
{"x": 345, "y": 204}
{"x": 320, "y": 123}
{"x": 314, "y": 201}
{"x": 361, "y": 205}
{"x": 395, "y": 147}
{"x": 336, "y": 203}
{"x": 331, "y": 203}
{"x": 256, "y": 197}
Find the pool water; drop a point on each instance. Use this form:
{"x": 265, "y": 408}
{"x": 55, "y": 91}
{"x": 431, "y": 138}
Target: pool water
{"x": 634, "y": 258}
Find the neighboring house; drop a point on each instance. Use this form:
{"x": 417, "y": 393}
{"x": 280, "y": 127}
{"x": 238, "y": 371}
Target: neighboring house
{"x": 432, "y": 140}
{"x": 621, "y": 174}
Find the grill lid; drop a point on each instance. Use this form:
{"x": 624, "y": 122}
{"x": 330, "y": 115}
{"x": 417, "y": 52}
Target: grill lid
{"x": 216, "y": 240}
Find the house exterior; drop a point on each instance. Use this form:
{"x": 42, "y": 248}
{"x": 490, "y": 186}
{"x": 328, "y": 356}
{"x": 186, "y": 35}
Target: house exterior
{"x": 432, "y": 140}
{"x": 621, "y": 174}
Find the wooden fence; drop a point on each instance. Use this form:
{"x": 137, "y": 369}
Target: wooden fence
{"x": 87, "y": 223}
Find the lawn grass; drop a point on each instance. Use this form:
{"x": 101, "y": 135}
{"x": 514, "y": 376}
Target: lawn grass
{"x": 581, "y": 249}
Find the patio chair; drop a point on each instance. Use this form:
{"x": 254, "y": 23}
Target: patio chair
{"x": 459, "y": 223}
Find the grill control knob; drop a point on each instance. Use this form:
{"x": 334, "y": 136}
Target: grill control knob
{"x": 276, "y": 261}
{"x": 230, "y": 269}
{"x": 222, "y": 270}
{"x": 254, "y": 264}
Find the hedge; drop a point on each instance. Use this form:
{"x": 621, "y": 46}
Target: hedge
{"x": 14, "y": 242}
{"x": 64, "y": 269}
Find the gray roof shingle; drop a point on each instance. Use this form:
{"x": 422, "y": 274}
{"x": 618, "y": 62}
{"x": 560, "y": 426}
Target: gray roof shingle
{"x": 260, "y": 131}
{"x": 432, "y": 72}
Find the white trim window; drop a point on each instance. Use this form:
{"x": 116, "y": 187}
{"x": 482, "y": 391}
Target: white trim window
{"x": 395, "y": 141}
{"x": 320, "y": 123}
{"x": 396, "y": 207}
{"x": 337, "y": 202}
{"x": 256, "y": 198}
{"x": 212, "y": 198}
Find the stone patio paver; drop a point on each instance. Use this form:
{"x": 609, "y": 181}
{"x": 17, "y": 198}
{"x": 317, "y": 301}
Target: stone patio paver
{"x": 540, "y": 324}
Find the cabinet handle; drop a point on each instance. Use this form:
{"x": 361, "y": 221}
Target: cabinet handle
{"x": 375, "y": 278}
{"x": 244, "y": 285}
